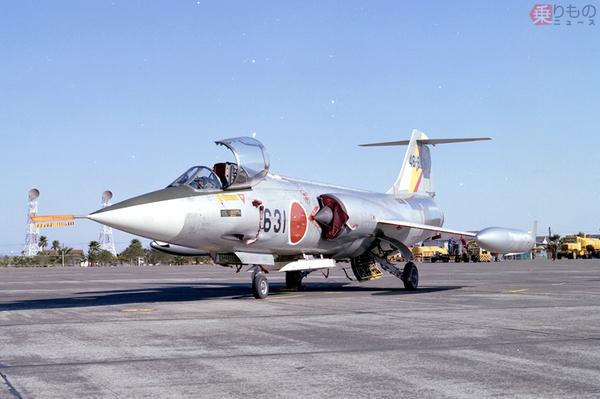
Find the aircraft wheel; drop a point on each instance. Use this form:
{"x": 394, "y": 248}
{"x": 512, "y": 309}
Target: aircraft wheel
{"x": 293, "y": 280}
{"x": 410, "y": 276}
{"x": 260, "y": 286}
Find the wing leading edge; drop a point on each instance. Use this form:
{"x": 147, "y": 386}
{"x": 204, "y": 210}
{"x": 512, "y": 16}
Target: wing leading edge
{"x": 426, "y": 227}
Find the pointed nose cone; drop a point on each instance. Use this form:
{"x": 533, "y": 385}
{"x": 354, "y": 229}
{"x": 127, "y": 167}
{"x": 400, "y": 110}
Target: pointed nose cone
{"x": 119, "y": 219}
{"x": 154, "y": 215}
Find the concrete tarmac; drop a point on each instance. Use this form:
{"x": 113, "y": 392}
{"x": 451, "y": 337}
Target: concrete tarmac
{"x": 527, "y": 329}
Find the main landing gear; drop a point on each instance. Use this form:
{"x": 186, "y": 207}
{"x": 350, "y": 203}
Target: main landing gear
{"x": 410, "y": 276}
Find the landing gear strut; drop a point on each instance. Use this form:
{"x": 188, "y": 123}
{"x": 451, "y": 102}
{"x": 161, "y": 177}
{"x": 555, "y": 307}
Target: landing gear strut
{"x": 260, "y": 284}
{"x": 410, "y": 276}
{"x": 293, "y": 280}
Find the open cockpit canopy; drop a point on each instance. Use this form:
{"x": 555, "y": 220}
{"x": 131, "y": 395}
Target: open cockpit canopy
{"x": 250, "y": 167}
{"x": 252, "y": 162}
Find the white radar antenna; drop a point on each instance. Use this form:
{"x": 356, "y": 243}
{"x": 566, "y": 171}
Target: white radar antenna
{"x": 32, "y": 237}
{"x": 106, "y": 240}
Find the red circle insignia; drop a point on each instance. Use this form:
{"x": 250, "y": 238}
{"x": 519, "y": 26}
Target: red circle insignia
{"x": 298, "y": 222}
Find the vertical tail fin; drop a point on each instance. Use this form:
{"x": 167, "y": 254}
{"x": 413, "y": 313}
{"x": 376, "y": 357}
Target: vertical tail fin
{"x": 415, "y": 175}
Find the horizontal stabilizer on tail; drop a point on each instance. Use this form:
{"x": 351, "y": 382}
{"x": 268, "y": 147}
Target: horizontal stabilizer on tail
{"x": 426, "y": 141}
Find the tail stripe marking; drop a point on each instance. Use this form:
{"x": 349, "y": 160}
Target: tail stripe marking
{"x": 416, "y": 175}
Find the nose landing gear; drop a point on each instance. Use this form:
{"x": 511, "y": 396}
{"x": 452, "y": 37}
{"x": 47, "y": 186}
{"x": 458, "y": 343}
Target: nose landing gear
{"x": 260, "y": 284}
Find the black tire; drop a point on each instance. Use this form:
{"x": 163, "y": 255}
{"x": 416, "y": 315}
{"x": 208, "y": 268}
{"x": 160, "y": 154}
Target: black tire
{"x": 465, "y": 257}
{"x": 293, "y": 280}
{"x": 410, "y": 276}
{"x": 260, "y": 286}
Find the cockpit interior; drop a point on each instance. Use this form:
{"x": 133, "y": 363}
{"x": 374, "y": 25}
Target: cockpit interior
{"x": 219, "y": 177}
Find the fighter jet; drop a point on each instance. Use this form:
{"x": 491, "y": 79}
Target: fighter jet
{"x": 240, "y": 214}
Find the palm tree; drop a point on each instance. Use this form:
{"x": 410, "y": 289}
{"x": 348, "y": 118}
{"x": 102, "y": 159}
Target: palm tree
{"x": 94, "y": 246}
{"x": 93, "y": 252}
{"x": 43, "y": 242}
{"x": 554, "y": 245}
{"x": 56, "y": 245}
{"x": 135, "y": 251}
{"x": 64, "y": 251}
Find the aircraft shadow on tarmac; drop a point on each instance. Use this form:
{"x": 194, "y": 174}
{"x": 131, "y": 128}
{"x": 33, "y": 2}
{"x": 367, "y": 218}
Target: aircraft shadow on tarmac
{"x": 199, "y": 291}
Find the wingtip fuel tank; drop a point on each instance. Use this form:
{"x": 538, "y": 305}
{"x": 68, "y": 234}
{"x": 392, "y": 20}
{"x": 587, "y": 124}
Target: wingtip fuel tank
{"x": 503, "y": 240}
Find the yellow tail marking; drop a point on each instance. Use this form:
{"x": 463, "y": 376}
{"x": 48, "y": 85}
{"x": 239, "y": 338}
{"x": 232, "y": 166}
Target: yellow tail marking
{"x": 415, "y": 177}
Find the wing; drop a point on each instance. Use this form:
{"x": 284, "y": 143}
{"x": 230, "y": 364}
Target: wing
{"x": 425, "y": 227}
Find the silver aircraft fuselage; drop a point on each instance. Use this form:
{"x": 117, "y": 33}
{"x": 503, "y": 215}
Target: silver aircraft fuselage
{"x": 275, "y": 216}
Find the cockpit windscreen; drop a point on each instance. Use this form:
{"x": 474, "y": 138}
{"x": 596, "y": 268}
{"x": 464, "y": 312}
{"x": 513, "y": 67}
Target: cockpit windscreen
{"x": 198, "y": 178}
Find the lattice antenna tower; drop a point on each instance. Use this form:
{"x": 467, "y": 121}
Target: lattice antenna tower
{"x": 32, "y": 237}
{"x": 106, "y": 240}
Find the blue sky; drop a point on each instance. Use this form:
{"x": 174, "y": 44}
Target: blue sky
{"x": 126, "y": 95}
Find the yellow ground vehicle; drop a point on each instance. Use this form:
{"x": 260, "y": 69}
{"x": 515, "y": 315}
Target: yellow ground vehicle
{"x": 478, "y": 254}
{"x": 574, "y": 247}
{"x": 430, "y": 254}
